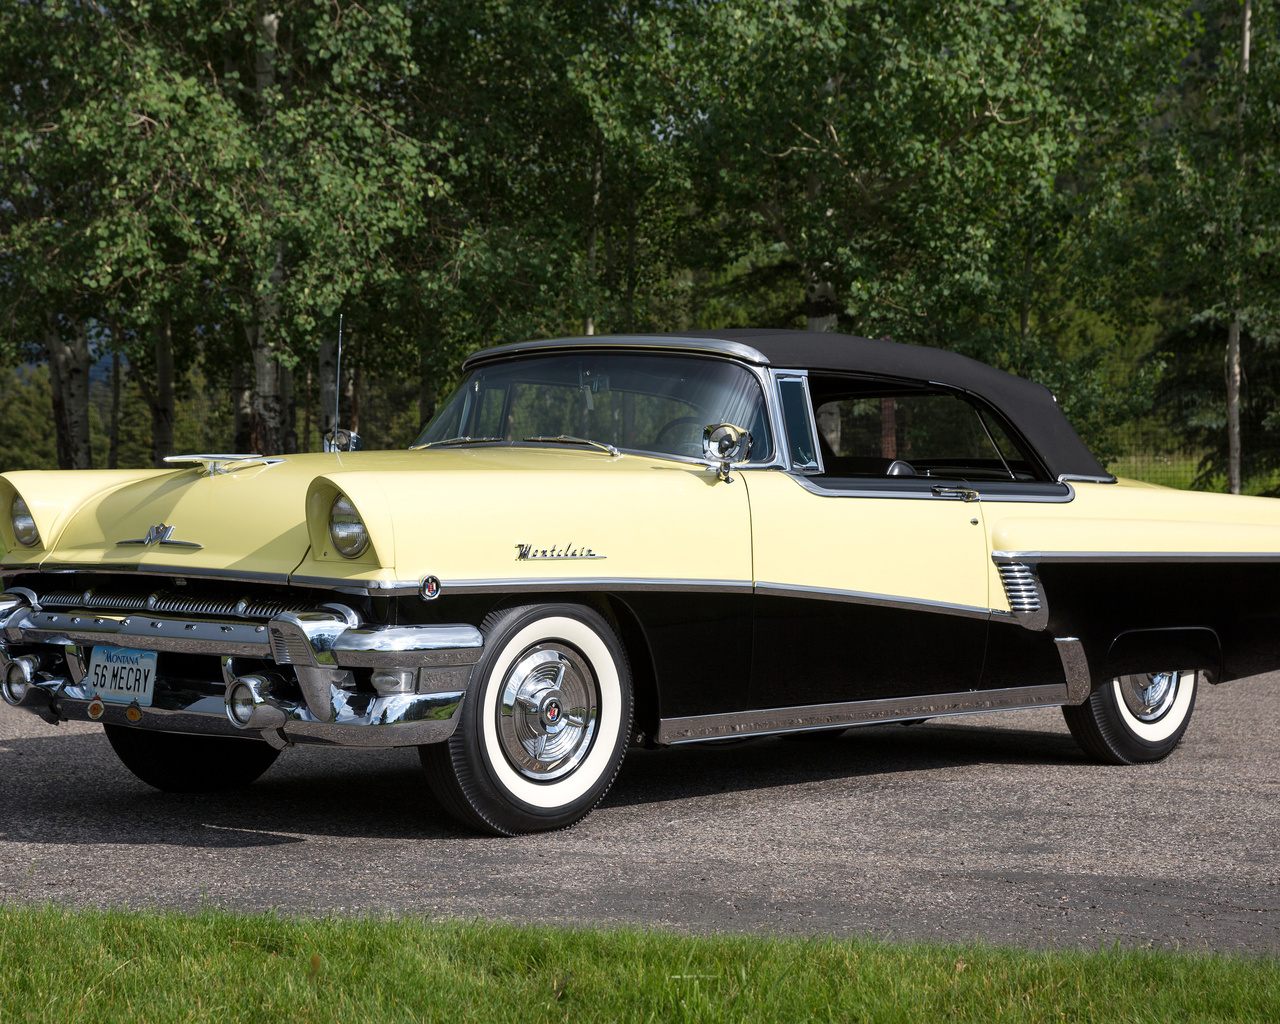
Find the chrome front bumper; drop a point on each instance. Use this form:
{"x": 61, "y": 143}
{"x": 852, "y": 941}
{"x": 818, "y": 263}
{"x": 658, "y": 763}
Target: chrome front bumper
{"x": 421, "y": 673}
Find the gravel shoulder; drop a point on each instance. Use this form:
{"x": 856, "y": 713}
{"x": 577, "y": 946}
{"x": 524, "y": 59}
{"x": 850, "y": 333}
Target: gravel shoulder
{"x": 990, "y": 826}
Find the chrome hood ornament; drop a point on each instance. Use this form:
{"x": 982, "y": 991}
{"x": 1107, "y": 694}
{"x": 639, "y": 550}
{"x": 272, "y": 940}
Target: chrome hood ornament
{"x": 160, "y": 534}
{"x": 217, "y": 464}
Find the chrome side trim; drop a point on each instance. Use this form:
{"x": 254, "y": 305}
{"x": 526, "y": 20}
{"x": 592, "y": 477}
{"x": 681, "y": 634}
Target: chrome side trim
{"x": 1032, "y": 557}
{"x": 614, "y": 583}
{"x": 859, "y": 712}
{"x": 674, "y": 343}
{"x": 1026, "y": 594}
{"x": 1075, "y": 666}
{"x": 879, "y": 600}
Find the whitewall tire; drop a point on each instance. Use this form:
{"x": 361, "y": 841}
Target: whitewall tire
{"x": 544, "y": 726}
{"x": 1135, "y": 719}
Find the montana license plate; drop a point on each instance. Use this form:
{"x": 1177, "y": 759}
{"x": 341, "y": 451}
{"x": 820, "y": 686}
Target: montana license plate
{"x": 122, "y": 675}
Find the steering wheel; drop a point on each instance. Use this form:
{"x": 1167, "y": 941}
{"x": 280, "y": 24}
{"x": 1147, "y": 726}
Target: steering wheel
{"x": 679, "y": 421}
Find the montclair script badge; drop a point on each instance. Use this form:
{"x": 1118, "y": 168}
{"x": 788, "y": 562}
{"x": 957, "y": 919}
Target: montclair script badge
{"x": 528, "y": 552}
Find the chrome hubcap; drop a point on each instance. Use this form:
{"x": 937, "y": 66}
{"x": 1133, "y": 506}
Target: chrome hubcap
{"x": 1149, "y": 697}
{"x": 548, "y": 712}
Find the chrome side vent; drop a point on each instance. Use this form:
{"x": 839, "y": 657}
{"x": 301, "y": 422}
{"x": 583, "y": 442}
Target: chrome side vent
{"x": 1025, "y": 593}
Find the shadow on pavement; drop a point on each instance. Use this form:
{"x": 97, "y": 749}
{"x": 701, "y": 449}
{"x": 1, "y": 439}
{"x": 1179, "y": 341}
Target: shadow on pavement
{"x": 70, "y": 789}
{"x": 702, "y": 769}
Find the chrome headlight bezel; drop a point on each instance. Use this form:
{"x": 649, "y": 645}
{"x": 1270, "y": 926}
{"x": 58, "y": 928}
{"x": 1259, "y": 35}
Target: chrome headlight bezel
{"x": 23, "y": 523}
{"x": 347, "y": 531}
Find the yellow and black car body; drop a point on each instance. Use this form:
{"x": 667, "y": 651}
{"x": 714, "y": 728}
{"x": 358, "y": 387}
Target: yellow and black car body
{"x": 656, "y": 539}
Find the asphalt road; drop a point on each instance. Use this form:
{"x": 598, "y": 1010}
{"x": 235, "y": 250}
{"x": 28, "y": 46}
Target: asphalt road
{"x": 992, "y": 826}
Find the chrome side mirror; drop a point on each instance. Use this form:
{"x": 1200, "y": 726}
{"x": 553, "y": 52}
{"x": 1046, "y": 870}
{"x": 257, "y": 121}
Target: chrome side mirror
{"x": 726, "y": 444}
{"x": 341, "y": 441}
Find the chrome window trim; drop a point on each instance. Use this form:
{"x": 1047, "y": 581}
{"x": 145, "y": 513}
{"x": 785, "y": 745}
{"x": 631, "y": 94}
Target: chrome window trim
{"x": 1032, "y": 557}
{"x": 919, "y": 604}
{"x": 809, "y": 717}
{"x": 777, "y": 378}
{"x": 1084, "y": 479}
{"x": 741, "y": 355}
{"x": 644, "y": 342}
{"x": 1001, "y": 499}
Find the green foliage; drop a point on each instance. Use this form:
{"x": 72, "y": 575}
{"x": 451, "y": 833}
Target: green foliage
{"x": 1043, "y": 186}
{"x": 118, "y": 966}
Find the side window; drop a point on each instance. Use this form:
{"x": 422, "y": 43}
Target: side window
{"x": 795, "y": 415}
{"x": 865, "y": 430}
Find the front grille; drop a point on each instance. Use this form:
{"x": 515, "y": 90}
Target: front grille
{"x": 164, "y": 601}
{"x": 1021, "y": 587}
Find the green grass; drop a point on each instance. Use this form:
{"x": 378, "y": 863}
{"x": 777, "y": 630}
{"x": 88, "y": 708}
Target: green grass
{"x": 60, "y": 965}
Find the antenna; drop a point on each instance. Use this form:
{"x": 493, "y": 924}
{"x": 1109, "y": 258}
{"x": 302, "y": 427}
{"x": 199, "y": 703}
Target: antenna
{"x": 337, "y": 391}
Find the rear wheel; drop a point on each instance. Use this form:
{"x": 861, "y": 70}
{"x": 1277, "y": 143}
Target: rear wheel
{"x": 177, "y": 763}
{"x": 542, "y": 732}
{"x": 1134, "y": 719}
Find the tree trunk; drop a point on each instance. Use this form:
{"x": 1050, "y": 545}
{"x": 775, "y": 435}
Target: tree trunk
{"x": 289, "y": 411}
{"x": 629, "y": 303}
{"x": 1235, "y": 371}
{"x": 162, "y": 410}
{"x": 327, "y": 372}
{"x": 69, "y": 383}
{"x": 264, "y": 418}
{"x": 242, "y": 397}
{"x": 113, "y": 450}
{"x": 594, "y": 178}
{"x": 305, "y": 443}
{"x": 820, "y": 304}
{"x": 266, "y": 436}
{"x": 426, "y": 391}
{"x": 353, "y": 397}
{"x": 1235, "y": 375}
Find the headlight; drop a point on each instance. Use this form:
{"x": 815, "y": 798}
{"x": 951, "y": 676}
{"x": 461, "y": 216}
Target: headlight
{"x": 24, "y": 526}
{"x": 346, "y": 529}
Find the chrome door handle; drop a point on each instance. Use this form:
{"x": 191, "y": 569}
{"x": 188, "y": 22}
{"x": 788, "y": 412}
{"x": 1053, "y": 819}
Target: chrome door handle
{"x": 963, "y": 493}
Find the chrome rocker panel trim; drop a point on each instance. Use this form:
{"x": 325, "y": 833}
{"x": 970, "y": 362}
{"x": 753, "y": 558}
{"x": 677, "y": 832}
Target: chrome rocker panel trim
{"x": 810, "y": 717}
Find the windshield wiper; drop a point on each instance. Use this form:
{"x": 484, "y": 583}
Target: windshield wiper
{"x": 566, "y": 439}
{"x": 455, "y": 440}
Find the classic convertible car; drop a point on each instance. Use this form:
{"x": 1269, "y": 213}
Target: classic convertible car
{"x": 607, "y": 541}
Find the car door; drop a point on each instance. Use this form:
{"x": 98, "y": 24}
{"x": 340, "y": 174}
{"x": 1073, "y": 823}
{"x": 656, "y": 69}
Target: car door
{"x": 871, "y": 571}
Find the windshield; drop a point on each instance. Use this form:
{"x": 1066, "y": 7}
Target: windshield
{"x": 636, "y": 401}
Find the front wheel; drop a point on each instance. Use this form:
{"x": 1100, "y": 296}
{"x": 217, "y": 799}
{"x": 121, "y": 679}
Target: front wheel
{"x": 176, "y": 763}
{"x": 543, "y": 730}
{"x": 1135, "y": 719}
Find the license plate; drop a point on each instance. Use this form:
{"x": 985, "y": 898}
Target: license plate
{"x": 121, "y": 675}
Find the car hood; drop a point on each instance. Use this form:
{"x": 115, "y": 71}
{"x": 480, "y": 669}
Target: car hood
{"x": 459, "y": 514}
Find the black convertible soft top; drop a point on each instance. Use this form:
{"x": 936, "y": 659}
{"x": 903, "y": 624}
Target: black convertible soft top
{"x": 1029, "y": 407}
